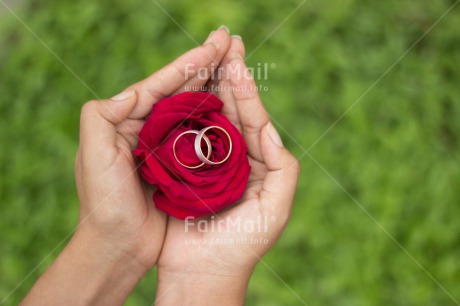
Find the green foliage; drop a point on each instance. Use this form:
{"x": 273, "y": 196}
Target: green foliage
{"x": 378, "y": 195}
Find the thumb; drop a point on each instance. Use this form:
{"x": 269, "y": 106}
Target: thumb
{"x": 97, "y": 124}
{"x": 281, "y": 181}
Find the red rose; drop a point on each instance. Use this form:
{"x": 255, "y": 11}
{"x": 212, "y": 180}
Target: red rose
{"x": 183, "y": 192}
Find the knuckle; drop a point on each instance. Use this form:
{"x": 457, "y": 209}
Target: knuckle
{"x": 297, "y": 166}
{"x": 250, "y": 128}
{"x": 89, "y": 107}
{"x": 179, "y": 70}
{"x": 294, "y": 164}
{"x": 244, "y": 93}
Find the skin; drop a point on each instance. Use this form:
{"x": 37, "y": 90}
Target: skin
{"x": 121, "y": 235}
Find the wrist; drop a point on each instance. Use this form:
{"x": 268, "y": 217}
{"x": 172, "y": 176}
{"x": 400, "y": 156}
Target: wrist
{"x": 192, "y": 288}
{"x": 87, "y": 272}
{"x": 111, "y": 273}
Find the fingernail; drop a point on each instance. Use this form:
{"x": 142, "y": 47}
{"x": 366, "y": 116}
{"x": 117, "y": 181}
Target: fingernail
{"x": 223, "y": 27}
{"x": 123, "y": 96}
{"x": 237, "y": 56}
{"x": 237, "y": 36}
{"x": 274, "y": 135}
{"x": 213, "y": 43}
{"x": 212, "y": 32}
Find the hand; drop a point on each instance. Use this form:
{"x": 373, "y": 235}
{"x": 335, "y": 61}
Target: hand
{"x": 115, "y": 202}
{"x": 203, "y": 267}
{"x": 120, "y": 232}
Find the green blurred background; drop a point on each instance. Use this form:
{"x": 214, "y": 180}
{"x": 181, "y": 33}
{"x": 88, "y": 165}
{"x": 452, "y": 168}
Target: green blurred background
{"x": 389, "y": 168}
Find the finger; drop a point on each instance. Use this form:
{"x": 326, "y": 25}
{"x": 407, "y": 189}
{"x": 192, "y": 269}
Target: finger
{"x": 225, "y": 94}
{"x": 252, "y": 114}
{"x": 129, "y": 130}
{"x": 98, "y": 126}
{"x": 236, "y": 47}
{"x": 199, "y": 80}
{"x": 222, "y": 84}
{"x": 168, "y": 79}
{"x": 281, "y": 181}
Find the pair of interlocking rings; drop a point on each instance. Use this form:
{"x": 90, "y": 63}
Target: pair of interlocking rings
{"x": 200, "y": 135}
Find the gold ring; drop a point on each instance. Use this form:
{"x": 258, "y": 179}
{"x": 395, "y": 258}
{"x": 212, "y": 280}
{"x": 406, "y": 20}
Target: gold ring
{"x": 206, "y": 139}
{"x": 199, "y": 151}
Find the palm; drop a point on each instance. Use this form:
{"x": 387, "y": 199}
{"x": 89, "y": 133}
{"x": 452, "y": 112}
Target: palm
{"x": 122, "y": 207}
{"x": 189, "y": 249}
{"x": 144, "y": 223}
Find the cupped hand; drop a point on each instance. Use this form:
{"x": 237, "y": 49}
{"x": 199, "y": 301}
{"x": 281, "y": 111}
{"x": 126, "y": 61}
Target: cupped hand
{"x": 115, "y": 204}
{"x": 215, "y": 255}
